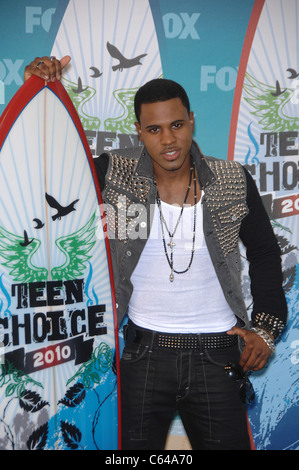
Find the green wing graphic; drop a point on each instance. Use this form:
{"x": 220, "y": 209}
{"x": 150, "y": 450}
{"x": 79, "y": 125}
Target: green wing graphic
{"x": 124, "y": 124}
{"x": 80, "y": 99}
{"x": 269, "y": 105}
{"x": 76, "y": 248}
{"x": 17, "y": 258}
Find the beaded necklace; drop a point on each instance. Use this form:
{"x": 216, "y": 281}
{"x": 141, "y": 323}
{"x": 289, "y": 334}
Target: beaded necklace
{"x": 171, "y": 243}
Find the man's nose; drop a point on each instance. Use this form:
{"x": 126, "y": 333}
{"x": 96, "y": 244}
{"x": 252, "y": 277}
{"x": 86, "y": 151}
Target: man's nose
{"x": 167, "y": 137}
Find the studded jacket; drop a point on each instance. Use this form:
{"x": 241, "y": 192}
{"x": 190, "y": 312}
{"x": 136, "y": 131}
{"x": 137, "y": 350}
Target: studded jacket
{"x": 232, "y": 210}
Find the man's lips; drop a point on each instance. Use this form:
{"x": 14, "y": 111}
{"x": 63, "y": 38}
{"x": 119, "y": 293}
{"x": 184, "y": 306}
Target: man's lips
{"x": 171, "y": 154}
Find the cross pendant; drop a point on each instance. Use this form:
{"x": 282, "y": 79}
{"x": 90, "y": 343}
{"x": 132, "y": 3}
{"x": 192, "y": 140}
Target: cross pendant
{"x": 171, "y": 244}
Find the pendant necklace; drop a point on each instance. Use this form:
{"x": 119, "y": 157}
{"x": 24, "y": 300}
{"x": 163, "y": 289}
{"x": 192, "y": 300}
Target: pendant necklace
{"x": 171, "y": 243}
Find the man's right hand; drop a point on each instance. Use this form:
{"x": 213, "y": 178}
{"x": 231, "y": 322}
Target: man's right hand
{"x": 47, "y": 68}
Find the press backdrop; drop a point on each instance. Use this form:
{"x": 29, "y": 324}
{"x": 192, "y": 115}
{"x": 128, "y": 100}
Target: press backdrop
{"x": 239, "y": 62}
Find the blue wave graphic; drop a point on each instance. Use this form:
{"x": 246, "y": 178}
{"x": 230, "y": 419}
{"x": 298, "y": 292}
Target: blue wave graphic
{"x": 254, "y": 159}
{"x": 95, "y": 299}
{"x": 7, "y": 296}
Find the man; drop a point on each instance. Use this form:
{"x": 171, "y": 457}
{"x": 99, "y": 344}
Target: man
{"x": 176, "y": 267}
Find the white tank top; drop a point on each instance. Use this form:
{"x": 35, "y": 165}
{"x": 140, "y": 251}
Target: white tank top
{"x": 194, "y": 301}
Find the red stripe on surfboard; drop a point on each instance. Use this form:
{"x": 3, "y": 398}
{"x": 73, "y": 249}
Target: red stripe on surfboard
{"x": 16, "y": 105}
{"x": 252, "y": 25}
{"x": 11, "y": 113}
{"x": 252, "y": 444}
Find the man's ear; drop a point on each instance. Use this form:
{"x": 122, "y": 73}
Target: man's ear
{"x": 191, "y": 117}
{"x": 138, "y": 128}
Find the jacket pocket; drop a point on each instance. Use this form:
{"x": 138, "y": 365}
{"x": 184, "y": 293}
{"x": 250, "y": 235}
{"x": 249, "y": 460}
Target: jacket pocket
{"x": 231, "y": 215}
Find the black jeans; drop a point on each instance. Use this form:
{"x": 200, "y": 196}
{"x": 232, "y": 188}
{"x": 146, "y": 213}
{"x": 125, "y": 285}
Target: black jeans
{"x": 157, "y": 382}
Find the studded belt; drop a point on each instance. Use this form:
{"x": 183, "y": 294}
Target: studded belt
{"x": 143, "y": 336}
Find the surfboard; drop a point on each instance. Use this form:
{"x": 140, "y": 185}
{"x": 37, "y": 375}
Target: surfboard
{"x": 59, "y": 382}
{"x": 114, "y": 51}
{"x": 264, "y": 136}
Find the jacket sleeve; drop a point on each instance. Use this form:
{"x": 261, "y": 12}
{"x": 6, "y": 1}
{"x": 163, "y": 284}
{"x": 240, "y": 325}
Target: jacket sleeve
{"x": 264, "y": 257}
{"x": 101, "y": 165}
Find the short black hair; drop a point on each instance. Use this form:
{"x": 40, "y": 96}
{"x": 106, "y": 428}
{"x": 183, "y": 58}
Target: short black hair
{"x": 159, "y": 89}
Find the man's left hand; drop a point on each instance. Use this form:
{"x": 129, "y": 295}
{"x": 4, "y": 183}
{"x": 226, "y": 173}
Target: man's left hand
{"x": 256, "y": 352}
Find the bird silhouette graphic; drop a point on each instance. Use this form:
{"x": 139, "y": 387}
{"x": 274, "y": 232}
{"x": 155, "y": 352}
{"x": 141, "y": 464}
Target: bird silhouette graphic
{"x": 26, "y": 241}
{"x": 39, "y": 223}
{"x": 96, "y": 72}
{"x": 80, "y": 88}
{"x": 123, "y": 62}
{"x": 293, "y": 73}
{"x": 278, "y": 91}
{"x": 61, "y": 210}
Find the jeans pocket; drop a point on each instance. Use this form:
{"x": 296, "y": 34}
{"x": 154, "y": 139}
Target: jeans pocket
{"x": 233, "y": 374}
{"x": 221, "y": 357}
{"x": 134, "y": 352}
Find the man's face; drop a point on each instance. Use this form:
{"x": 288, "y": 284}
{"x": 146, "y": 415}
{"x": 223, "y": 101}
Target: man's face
{"x": 166, "y": 130}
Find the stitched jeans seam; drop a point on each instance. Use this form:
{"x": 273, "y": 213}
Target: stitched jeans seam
{"x": 207, "y": 395}
{"x": 144, "y": 394}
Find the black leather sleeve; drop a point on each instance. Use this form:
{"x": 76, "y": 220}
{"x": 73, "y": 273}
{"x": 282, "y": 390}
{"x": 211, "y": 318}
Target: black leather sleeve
{"x": 101, "y": 165}
{"x": 264, "y": 257}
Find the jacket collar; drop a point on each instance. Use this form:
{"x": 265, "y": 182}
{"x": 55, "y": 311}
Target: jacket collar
{"x": 144, "y": 165}
{"x": 206, "y": 176}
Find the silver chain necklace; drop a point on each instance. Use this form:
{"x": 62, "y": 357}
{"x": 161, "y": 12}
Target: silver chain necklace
{"x": 171, "y": 243}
